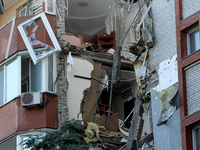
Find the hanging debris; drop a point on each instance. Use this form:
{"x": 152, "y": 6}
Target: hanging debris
{"x": 168, "y": 107}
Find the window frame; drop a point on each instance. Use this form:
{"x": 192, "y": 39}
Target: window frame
{"x": 189, "y": 51}
{"x": 18, "y": 59}
{"x": 45, "y": 75}
{"x": 194, "y": 137}
{"x": 24, "y": 8}
{"x": 50, "y": 33}
{"x": 53, "y": 7}
{"x": 21, "y": 136}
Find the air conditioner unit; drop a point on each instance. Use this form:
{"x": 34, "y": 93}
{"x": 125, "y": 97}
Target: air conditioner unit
{"x": 31, "y": 99}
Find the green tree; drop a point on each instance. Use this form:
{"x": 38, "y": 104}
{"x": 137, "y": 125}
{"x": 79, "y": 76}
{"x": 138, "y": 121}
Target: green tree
{"x": 68, "y": 137}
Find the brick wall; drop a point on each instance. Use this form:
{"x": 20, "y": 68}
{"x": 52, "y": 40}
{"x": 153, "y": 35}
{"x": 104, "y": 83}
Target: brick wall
{"x": 15, "y": 118}
{"x": 192, "y": 75}
{"x": 164, "y": 29}
{"x": 188, "y": 122}
{"x": 190, "y": 7}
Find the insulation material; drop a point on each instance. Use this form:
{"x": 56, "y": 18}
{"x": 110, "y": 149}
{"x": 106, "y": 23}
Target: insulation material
{"x": 70, "y": 62}
{"x": 168, "y": 73}
{"x": 168, "y": 107}
{"x": 92, "y": 133}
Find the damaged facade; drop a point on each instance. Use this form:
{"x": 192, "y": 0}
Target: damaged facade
{"x": 126, "y": 68}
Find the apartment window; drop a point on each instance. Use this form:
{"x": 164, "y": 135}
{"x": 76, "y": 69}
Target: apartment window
{"x": 1, "y": 85}
{"x": 36, "y": 76}
{"x": 27, "y": 9}
{"x": 23, "y": 11}
{"x": 51, "y": 6}
{"x": 193, "y": 40}
{"x": 10, "y": 81}
{"x": 21, "y": 139}
{"x": 39, "y": 77}
{"x": 196, "y": 138}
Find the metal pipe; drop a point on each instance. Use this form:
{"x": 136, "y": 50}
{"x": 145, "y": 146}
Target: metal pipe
{"x": 127, "y": 117}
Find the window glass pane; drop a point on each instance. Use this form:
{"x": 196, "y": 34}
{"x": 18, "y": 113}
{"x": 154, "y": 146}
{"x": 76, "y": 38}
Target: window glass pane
{"x": 1, "y": 85}
{"x": 29, "y": 9}
{"x": 194, "y": 41}
{"x": 50, "y": 73}
{"x": 23, "y": 12}
{"x": 38, "y": 138}
{"x": 36, "y": 76}
{"x": 197, "y": 138}
{"x": 12, "y": 80}
{"x": 50, "y": 5}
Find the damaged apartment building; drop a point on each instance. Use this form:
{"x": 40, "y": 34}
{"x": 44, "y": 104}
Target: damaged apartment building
{"x": 128, "y": 65}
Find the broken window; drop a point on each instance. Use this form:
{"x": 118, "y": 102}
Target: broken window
{"x": 193, "y": 40}
{"x": 30, "y": 31}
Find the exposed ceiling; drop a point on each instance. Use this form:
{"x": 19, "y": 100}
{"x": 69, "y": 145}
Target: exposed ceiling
{"x": 87, "y": 17}
{"x": 8, "y": 3}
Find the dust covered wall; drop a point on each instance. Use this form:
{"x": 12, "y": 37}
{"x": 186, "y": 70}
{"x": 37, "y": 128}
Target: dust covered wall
{"x": 77, "y": 86}
{"x": 190, "y": 7}
{"x": 164, "y": 29}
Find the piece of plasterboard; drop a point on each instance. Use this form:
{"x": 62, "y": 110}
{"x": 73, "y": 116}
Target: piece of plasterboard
{"x": 113, "y": 123}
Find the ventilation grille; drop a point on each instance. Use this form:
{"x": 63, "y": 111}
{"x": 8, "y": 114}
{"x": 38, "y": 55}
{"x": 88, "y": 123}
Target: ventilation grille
{"x": 31, "y": 99}
{"x": 27, "y": 98}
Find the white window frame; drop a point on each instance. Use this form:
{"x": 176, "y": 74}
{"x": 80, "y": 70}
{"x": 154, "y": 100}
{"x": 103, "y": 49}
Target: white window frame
{"x": 54, "y": 7}
{"x": 18, "y": 58}
{"x": 45, "y": 81}
{"x": 25, "y": 7}
{"x": 194, "y": 137}
{"x": 188, "y": 39}
{"x": 49, "y": 31}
